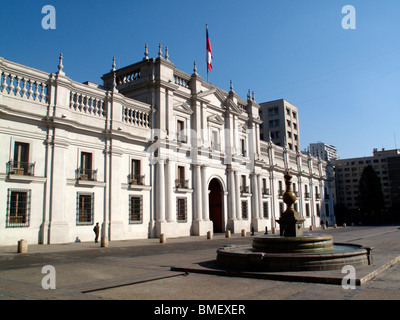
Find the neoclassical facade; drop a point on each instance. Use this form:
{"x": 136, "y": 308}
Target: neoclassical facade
{"x": 153, "y": 150}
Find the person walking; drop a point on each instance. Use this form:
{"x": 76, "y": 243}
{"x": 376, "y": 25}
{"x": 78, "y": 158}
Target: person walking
{"x": 96, "y": 230}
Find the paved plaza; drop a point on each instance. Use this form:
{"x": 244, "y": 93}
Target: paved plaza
{"x": 141, "y": 270}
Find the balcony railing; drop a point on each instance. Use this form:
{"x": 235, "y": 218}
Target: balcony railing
{"x": 307, "y": 195}
{"x": 86, "y": 174}
{"x": 265, "y": 191}
{"x": 21, "y": 168}
{"x": 318, "y": 196}
{"x": 181, "y": 183}
{"x": 244, "y": 189}
{"x": 136, "y": 179}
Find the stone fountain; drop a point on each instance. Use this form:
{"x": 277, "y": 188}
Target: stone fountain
{"x": 292, "y": 250}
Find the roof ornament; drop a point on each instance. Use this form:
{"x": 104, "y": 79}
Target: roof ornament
{"x": 159, "y": 50}
{"x": 60, "y": 65}
{"x": 146, "y": 52}
{"x": 113, "y": 64}
{"x": 194, "y": 67}
{"x": 166, "y": 53}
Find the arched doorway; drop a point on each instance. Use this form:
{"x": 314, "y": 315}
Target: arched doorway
{"x": 215, "y": 205}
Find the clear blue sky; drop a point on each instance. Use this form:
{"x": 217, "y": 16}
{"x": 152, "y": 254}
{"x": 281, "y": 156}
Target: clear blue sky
{"x": 345, "y": 83}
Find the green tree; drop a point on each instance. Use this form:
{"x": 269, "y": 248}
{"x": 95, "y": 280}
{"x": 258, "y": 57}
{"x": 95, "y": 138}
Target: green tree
{"x": 370, "y": 193}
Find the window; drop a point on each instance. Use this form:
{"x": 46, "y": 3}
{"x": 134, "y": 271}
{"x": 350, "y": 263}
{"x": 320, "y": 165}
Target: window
{"x": 295, "y": 189}
{"x": 318, "y": 209}
{"x": 281, "y": 191}
{"x": 181, "y": 209}
{"x": 306, "y": 193}
{"x": 317, "y": 195}
{"x": 265, "y": 210}
{"x": 245, "y": 213}
{"x": 18, "y": 208}
{"x": 181, "y": 182}
{"x": 265, "y": 189}
{"x": 307, "y": 210}
{"x": 85, "y": 171}
{"x": 273, "y": 111}
{"x": 20, "y": 164}
{"x": 181, "y": 131}
{"x": 215, "y": 145}
{"x": 281, "y": 207}
{"x": 84, "y": 208}
{"x": 135, "y": 209}
{"x": 243, "y": 147}
{"x": 294, "y": 114}
{"x": 136, "y": 178}
{"x": 243, "y": 187}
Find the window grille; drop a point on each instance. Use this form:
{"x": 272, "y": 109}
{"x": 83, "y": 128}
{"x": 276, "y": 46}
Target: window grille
{"x": 84, "y": 208}
{"x": 135, "y": 209}
{"x": 266, "y": 209}
{"x": 245, "y": 213}
{"x": 181, "y": 209}
{"x": 18, "y": 208}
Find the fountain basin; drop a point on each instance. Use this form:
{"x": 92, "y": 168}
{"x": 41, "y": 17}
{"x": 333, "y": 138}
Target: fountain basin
{"x": 311, "y": 243}
{"x": 247, "y": 258}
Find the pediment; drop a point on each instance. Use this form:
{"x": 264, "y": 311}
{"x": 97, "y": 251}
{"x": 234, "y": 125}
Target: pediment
{"x": 217, "y": 119}
{"x": 183, "y": 107}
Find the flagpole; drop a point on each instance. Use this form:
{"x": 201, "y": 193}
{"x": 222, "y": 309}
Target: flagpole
{"x": 206, "y": 52}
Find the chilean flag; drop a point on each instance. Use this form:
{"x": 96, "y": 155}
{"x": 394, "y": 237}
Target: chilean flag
{"x": 209, "y": 51}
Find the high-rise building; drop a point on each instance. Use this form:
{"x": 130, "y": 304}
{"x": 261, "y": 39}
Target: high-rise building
{"x": 325, "y": 151}
{"x": 280, "y": 124}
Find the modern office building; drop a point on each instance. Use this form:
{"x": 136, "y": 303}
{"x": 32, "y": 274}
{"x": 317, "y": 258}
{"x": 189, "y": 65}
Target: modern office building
{"x": 280, "y": 124}
{"x": 153, "y": 150}
{"x": 386, "y": 164}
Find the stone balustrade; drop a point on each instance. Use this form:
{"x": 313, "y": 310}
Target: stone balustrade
{"x": 21, "y": 82}
{"x": 86, "y": 103}
{"x": 134, "y": 116}
{"x": 125, "y": 79}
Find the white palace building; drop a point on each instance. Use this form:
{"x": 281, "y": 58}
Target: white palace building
{"x": 154, "y": 150}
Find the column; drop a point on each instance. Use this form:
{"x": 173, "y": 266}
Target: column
{"x": 206, "y": 214}
{"x": 169, "y": 195}
{"x": 260, "y": 199}
{"x": 237, "y": 194}
{"x": 254, "y": 197}
{"x": 197, "y": 209}
{"x": 160, "y": 193}
{"x": 274, "y": 196}
{"x": 232, "y": 193}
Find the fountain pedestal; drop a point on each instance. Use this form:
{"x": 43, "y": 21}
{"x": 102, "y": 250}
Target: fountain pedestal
{"x": 290, "y": 221}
